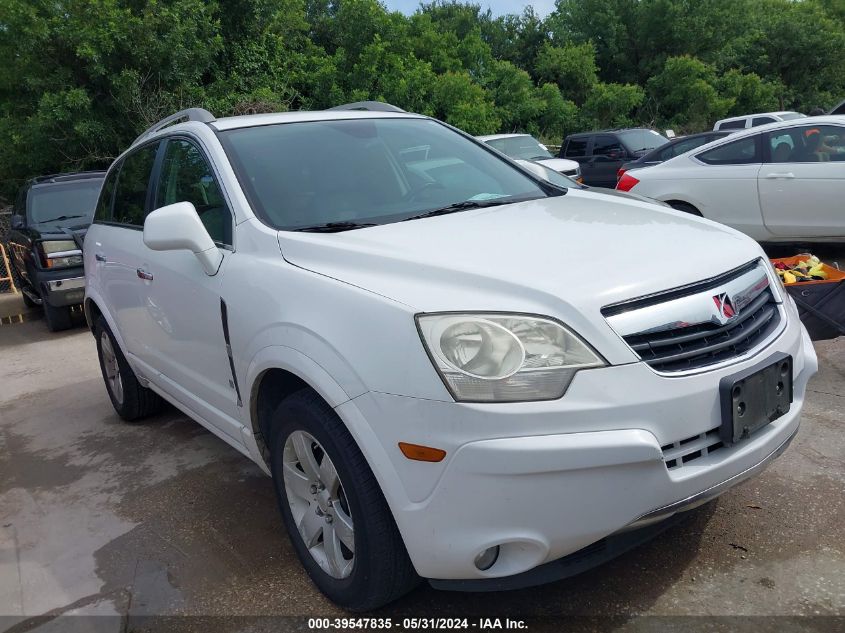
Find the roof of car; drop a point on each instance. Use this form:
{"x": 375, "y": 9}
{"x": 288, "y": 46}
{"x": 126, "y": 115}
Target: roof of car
{"x": 67, "y": 177}
{"x": 610, "y": 131}
{"x": 252, "y": 120}
{"x": 495, "y": 137}
{"x": 748, "y": 116}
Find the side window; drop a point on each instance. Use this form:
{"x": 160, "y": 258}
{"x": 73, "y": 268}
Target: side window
{"x": 186, "y": 176}
{"x": 103, "y": 210}
{"x": 781, "y": 147}
{"x": 606, "y": 145}
{"x": 742, "y": 152}
{"x": 733, "y": 125}
{"x": 576, "y": 147}
{"x": 130, "y": 196}
{"x": 811, "y": 144}
{"x": 761, "y": 120}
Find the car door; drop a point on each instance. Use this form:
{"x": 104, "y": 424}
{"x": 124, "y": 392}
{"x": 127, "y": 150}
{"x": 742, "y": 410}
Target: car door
{"x": 802, "y": 183}
{"x": 575, "y": 149}
{"x": 606, "y": 158}
{"x": 118, "y": 244}
{"x": 182, "y": 310}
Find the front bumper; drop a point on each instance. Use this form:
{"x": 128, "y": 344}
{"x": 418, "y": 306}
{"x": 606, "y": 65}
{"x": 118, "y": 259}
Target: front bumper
{"x": 59, "y": 289}
{"x": 545, "y": 479}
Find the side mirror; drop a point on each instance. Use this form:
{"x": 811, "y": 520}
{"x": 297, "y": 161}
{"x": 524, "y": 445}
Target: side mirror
{"x": 16, "y": 221}
{"x": 178, "y": 227}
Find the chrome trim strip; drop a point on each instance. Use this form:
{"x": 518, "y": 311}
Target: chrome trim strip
{"x": 695, "y": 309}
{"x": 710, "y": 493}
{"x": 73, "y": 283}
{"x": 72, "y": 253}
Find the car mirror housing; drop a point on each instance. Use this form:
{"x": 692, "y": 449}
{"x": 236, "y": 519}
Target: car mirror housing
{"x": 178, "y": 227}
{"x": 16, "y": 221}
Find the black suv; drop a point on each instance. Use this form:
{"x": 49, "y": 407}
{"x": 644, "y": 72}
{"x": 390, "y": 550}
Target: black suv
{"x": 602, "y": 153}
{"x": 50, "y": 216}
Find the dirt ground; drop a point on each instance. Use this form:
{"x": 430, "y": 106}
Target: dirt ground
{"x": 101, "y": 517}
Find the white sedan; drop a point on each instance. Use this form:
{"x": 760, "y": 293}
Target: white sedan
{"x": 526, "y": 147}
{"x": 779, "y": 182}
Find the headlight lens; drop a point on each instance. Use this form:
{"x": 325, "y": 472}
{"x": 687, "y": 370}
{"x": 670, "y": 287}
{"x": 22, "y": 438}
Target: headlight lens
{"x": 503, "y": 357}
{"x": 60, "y": 254}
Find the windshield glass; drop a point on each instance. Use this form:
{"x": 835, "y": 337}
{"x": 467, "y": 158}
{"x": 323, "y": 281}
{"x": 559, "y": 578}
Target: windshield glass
{"x": 72, "y": 200}
{"x": 524, "y": 147}
{"x": 372, "y": 171}
{"x": 639, "y": 140}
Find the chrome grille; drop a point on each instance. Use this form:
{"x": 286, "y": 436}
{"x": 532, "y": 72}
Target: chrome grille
{"x": 686, "y": 329}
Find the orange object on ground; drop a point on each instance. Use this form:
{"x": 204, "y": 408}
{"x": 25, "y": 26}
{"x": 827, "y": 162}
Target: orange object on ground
{"x": 833, "y": 274}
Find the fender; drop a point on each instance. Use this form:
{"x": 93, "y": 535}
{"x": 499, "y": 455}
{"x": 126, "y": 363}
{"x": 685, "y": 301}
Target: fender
{"x": 94, "y": 297}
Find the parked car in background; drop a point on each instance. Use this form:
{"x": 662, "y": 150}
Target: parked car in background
{"x": 401, "y": 338}
{"x": 840, "y": 109}
{"x": 44, "y": 247}
{"x": 675, "y": 147}
{"x": 526, "y": 147}
{"x": 601, "y": 154}
{"x": 780, "y": 182}
{"x": 754, "y": 120}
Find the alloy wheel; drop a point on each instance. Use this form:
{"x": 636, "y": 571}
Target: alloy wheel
{"x": 111, "y": 368}
{"x": 318, "y": 504}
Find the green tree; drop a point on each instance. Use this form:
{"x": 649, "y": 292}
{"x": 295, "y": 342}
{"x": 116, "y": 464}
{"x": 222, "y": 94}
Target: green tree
{"x": 686, "y": 95}
{"x": 572, "y": 67}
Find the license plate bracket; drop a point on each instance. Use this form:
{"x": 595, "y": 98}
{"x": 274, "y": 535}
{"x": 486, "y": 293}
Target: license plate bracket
{"x": 755, "y": 397}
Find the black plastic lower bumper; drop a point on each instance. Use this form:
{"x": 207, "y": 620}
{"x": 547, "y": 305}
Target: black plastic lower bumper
{"x": 591, "y": 556}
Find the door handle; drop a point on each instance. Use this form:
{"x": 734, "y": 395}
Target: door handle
{"x": 100, "y": 257}
{"x": 143, "y": 274}
{"x": 778, "y": 175}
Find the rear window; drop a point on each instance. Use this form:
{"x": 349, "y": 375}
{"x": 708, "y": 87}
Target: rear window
{"x": 642, "y": 140}
{"x": 521, "y": 147}
{"x": 742, "y": 152}
{"x": 75, "y": 201}
{"x": 733, "y": 125}
{"x": 576, "y": 147}
{"x": 761, "y": 120}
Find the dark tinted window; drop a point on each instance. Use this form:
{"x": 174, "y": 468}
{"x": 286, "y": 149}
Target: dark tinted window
{"x": 606, "y": 145}
{"x": 63, "y": 204}
{"x": 186, "y": 176}
{"x": 103, "y": 212}
{"x": 807, "y": 144}
{"x": 741, "y": 152}
{"x": 576, "y": 147}
{"x": 761, "y": 120}
{"x": 299, "y": 175}
{"x": 733, "y": 125}
{"x": 131, "y": 190}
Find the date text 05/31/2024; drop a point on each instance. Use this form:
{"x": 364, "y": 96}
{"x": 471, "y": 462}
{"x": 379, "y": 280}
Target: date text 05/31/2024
{"x": 412, "y": 624}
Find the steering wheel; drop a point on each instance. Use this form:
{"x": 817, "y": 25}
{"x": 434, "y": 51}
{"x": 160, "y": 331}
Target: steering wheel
{"x": 414, "y": 194}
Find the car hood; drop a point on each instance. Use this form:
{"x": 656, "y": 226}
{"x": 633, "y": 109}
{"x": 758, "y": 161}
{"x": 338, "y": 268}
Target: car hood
{"x": 568, "y": 255}
{"x": 558, "y": 164}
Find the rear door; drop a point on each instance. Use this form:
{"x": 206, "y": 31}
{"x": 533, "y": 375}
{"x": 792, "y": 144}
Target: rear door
{"x": 802, "y": 183}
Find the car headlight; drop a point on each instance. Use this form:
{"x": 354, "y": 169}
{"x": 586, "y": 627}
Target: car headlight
{"x": 504, "y": 357}
{"x": 60, "y": 254}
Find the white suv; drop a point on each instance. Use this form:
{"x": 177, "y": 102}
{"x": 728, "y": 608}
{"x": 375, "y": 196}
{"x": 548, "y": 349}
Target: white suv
{"x": 452, "y": 369}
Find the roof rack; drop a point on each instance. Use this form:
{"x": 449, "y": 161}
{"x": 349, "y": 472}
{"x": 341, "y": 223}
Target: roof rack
{"x": 190, "y": 114}
{"x": 369, "y": 106}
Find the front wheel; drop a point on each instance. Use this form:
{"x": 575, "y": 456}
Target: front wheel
{"x": 335, "y": 513}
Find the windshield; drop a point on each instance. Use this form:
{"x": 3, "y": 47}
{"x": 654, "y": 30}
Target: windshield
{"x": 74, "y": 201}
{"x": 639, "y": 140}
{"x": 788, "y": 116}
{"x": 365, "y": 171}
{"x": 524, "y": 147}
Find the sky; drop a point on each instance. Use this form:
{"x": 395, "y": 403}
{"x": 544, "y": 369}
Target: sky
{"x": 499, "y": 7}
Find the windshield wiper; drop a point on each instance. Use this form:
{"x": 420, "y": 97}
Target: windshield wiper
{"x": 61, "y": 217}
{"x": 335, "y": 227}
{"x": 460, "y": 206}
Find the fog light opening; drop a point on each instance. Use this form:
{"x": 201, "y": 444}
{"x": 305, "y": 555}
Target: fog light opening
{"x": 486, "y": 559}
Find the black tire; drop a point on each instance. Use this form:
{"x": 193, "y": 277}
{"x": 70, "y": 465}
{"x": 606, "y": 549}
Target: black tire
{"x": 57, "y": 319}
{"x": 134, "y": 402}
{"x": 382, "y": 571}
{"x": 685, "y": 207}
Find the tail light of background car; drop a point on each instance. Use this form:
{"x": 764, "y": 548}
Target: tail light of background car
{"x": 627, "y": 182}
{"x": 619, "y": 173}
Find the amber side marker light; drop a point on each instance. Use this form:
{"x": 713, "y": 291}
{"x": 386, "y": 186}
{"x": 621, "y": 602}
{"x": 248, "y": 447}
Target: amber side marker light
{"x": 421, "y": 453}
